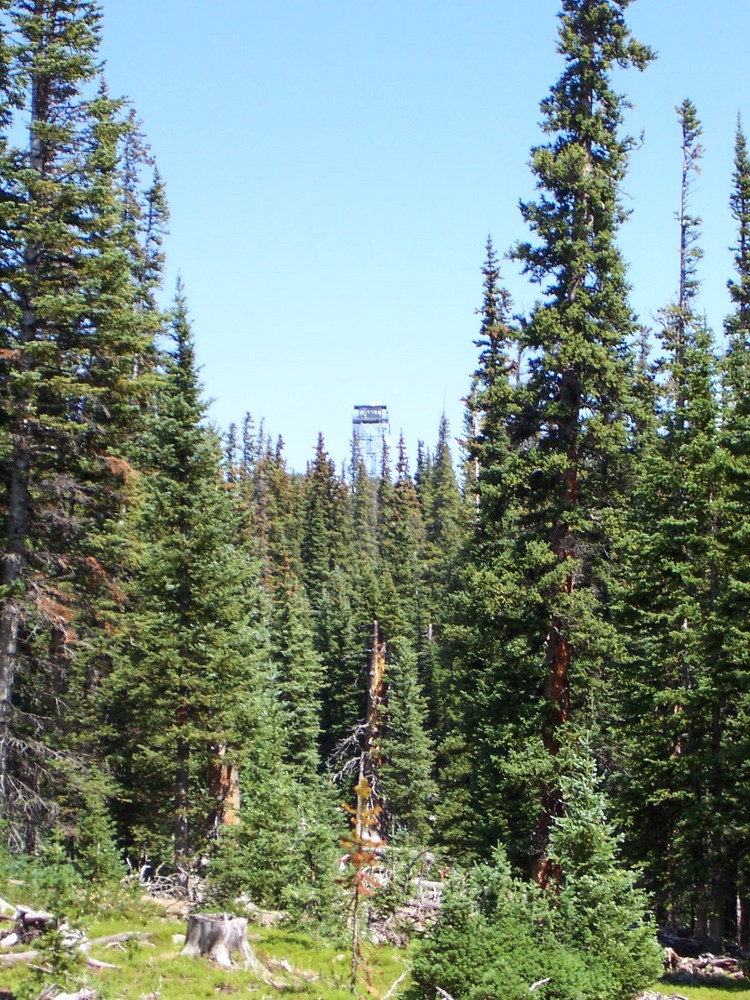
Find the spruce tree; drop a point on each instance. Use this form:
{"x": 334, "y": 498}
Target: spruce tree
{"x": 580, "y": 374}
{"x": 444, "y": 531}
{"x": 407, "y": 766}
{"x": 737, "y": 324}
{"x": 72, "y": 391}
{"x": 400, "y": 533}
{"x": 364, "y": 515}
{"x": 299, "y": 674}
{"x": 196, "y": 644}
{"x": 444, "y": 534}
{"x": 471, "y": 708}
{"x": 674, "y": 690}
{"x": 734, "y": 538}
{"x": 324, "y": 523}
{"x": 556, "y": 457}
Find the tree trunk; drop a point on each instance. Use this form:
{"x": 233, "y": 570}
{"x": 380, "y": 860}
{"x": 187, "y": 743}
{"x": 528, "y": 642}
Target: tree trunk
{"x": 218, "y": 936}
{"x": 182, "y": 811}
{"x": 224, "y": 787}
{"x": 15, "y": 539}
{"x": 369, "y": 825}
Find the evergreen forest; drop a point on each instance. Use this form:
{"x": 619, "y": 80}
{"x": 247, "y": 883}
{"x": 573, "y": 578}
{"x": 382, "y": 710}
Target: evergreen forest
{"x": 523, "y": 650}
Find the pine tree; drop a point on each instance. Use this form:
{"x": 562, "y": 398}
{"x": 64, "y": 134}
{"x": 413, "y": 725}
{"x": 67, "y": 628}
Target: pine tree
{"x": 473, "y": 714}
{"x": 444, "y": 534}
{"x": 329, "y": 559}
{"x": 674, "y": 714}
{"x": 588, "y": 938}
{"x": 737, "y": 325}
{"x": 323, "y": 523}
{"x": 299, "y": 674}
{"x": 407, "y": 766}
{"x": 72, "y": 392}
{"x": 561, "y": 443}
{"x": 196, "y": 629}
{"x": 399, "y": 543}
{"x": 364, "y": 512}
{"x": 600, "y": 911}
{"x": 734, "y": 541}
{"x": 444, "y": 531}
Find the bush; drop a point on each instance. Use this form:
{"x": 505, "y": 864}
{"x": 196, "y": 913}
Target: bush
{"x": 591, "y": 935}
{"x": 601, "y": 911}
{"x": 494, "y": 939}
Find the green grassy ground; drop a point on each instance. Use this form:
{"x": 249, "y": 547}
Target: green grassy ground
{"x": 731, "y": 991}
{"x": 299, "y": 966}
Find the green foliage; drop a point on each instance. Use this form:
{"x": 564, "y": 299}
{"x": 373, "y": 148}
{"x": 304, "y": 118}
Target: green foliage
{"x": 76, "y": 360}
{"x": 57, "y": 964}
{"x": 600, "y": 910}
{"x": 283, "y": 855}
{"x": 195, "y": 630}
{"x": 407, "y": 768}
{"x": 493, "y": 941}
{"x": 531, "y": 643}
{"x": 283, "y": 852}
{"x": 590, "y": 937}
{"x": 682, "y": 681}
{"x": 168, "y": 611}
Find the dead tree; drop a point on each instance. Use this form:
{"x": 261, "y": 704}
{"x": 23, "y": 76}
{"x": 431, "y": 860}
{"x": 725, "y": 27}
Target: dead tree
{"x": 219, "y": 936}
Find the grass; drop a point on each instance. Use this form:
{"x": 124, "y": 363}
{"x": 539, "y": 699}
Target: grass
{"x": 301, "y": 966}
{"x": 732, "y": 990}
{"x": 153, "y": 966}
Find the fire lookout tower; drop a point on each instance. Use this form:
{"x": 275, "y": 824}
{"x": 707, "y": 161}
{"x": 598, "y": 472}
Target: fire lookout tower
{"x": 370, "y": 426}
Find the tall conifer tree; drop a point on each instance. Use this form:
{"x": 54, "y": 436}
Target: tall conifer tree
{"x": 674, "y": 686}
{"x": 564, "y": 439}
{"x": 71, "y": 388}
{"x": 196, "y": 644}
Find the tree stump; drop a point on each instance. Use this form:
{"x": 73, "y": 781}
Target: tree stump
{"x": 219, "y": 936}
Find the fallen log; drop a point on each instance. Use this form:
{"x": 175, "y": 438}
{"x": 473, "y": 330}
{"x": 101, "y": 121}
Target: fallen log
{"x": 38, "y": 920}
{"x": 116, "y": 938}
{"x": 82, "y": 946}
{"x": 83, "y": 994}
{"x": 95, "y": 963}
{"x": 19, "y": 956}
{"x": 31, "y": 956}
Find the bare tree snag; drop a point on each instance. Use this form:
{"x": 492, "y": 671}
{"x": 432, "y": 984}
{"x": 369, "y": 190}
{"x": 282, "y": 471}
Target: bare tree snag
{"x": 369, "y": 815}
{"x": 224, "y": 786}
{"x": 219, "y": 936}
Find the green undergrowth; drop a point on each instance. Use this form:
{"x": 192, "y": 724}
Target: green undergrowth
{"x": 299, "y": 966}
{"x": 153, "y": 967}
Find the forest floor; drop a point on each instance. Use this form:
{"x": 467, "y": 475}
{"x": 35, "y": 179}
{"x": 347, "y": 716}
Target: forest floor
{"x": 300, "y": 967}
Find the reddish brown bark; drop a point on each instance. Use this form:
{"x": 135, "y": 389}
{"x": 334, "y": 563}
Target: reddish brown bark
{"x": 224, "y": 787}
{"x": 369, "y": 813}
{"x": 556, "y": 689}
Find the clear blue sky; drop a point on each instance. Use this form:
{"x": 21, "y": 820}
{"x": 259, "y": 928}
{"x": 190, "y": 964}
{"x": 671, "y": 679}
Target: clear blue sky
{"x": 333, "y": 170}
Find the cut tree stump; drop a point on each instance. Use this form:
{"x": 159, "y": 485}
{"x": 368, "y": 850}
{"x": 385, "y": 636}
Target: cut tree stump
{"x": 219, "y": 936}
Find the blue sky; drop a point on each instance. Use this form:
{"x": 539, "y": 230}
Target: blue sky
{"x": 333, "y": 170}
